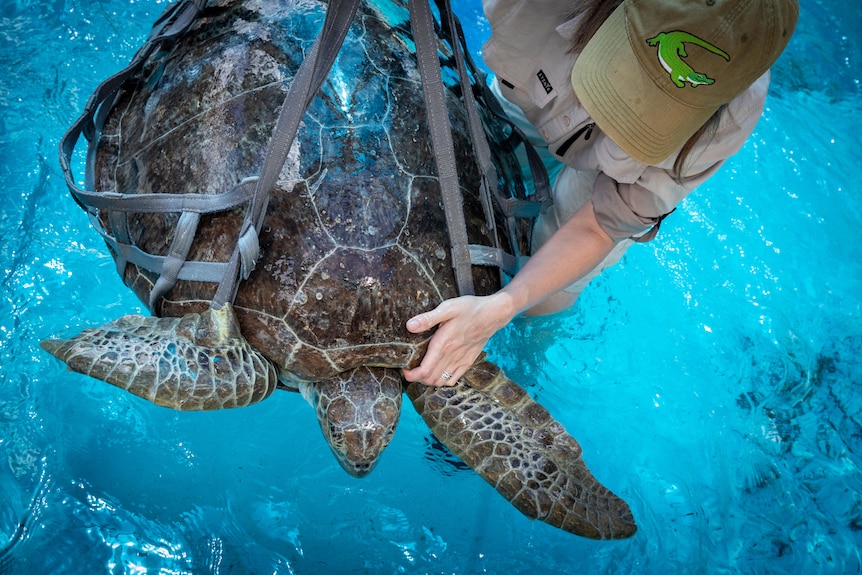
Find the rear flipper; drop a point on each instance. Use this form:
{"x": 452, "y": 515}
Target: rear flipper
{"x": 491, "y": 423}
{"x": 195, "y": 362}
{"x": 358, "y": 411}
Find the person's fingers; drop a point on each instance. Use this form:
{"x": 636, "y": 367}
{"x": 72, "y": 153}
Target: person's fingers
{"x": 443, "y": 378}
{"x": 431, "y": 369}
{"x": 455, "y": 345}
{"x": 453, "y": 377}
{"x": 424, "y": 372}
{"x": 449, "y": 377}
{"x": 427, "y": 320}
{"x": 444, "y": 363}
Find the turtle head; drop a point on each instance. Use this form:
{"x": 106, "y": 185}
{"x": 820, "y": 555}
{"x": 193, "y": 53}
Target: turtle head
{"x": 358, "y": 412}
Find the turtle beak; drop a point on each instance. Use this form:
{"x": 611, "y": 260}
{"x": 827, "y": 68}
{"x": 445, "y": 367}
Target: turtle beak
{"x": 358, "y": 449}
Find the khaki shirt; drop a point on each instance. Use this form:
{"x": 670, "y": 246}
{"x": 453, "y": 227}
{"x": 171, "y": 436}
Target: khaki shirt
{"x": 529, "y": 51}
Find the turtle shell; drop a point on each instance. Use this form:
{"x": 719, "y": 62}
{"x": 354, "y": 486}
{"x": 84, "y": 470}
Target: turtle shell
{"x": 354, "y": 240}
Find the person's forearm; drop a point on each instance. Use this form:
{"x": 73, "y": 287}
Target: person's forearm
{"x": 570, "y": 253}
{"x": 465, "y": 324}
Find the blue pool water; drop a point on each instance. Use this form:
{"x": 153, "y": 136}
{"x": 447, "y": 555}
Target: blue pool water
{"x": 712, "y": 378}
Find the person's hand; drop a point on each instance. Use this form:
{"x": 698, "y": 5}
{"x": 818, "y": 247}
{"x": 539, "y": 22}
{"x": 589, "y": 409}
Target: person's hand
{"x": 465, "y": 324}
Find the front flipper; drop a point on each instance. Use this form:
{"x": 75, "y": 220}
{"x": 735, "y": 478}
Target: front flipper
{"x": 194, "y": 362}
{"x": 358, "y": 411}
{"x": 492, "y": 424}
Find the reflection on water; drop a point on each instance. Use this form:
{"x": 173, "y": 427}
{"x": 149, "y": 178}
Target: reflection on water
{"x": 712, "y": 378}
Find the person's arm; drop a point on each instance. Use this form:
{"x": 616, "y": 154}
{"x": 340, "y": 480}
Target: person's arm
{"x": 467, "y": 323}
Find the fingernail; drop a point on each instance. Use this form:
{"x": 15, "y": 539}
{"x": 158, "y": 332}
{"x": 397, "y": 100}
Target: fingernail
{"x": 412, "y": 323}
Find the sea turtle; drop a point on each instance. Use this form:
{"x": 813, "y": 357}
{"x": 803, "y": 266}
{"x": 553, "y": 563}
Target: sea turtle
{"x": 354, "y": 242}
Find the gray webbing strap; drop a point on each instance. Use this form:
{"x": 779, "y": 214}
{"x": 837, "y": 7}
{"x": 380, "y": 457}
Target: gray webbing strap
{"x": 489, "y": 193}
{"x": 118, "y": 223}
{"x": 477, "y": 133}
{"x": 155, "y": 203}
{"x": 481, "y": 150}
{"x": 184, "y": 234}
{"x": 173, "y": 23}
{"x": 541, "y": 182}
{"x": 485, "y": 256}
{"x": 313, "y": 70}
{"x": 511, "y": 207}
{"x": 117, "y": 205}
{"x": 441, "y": 140}
{"x": 542, "y": 192}
{"x": 211, "y": 272}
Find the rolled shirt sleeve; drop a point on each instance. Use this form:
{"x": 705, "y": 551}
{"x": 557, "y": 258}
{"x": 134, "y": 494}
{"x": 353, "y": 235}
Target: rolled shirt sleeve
{"x": 629, "y": 210}
{"x": 630, "y": 198}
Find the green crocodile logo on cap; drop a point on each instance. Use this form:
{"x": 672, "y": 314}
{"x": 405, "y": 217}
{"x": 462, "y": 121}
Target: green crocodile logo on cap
{"x": 671, "y": 51}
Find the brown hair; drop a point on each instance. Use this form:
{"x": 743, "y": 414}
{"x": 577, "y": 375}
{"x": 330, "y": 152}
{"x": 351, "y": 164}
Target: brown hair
{"x": 593, "y": 14}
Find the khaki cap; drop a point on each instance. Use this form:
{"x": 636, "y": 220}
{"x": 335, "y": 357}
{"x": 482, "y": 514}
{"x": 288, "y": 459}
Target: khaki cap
{"x": 657, "y": 70}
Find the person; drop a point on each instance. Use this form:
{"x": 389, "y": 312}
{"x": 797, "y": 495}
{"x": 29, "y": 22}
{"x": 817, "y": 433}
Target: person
{"x": 633, "y": 104}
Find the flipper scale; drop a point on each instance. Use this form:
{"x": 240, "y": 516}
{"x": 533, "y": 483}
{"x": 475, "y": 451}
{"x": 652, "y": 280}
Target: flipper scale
{"x": 194, "y": 362}
{"x": 516, "y": 445}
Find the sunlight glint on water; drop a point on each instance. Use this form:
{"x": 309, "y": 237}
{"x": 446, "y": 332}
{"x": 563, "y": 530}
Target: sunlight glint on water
{"x": 712, "y": 378}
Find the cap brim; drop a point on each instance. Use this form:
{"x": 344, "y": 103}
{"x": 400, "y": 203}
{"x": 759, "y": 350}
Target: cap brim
{"x": 641, "y": 118}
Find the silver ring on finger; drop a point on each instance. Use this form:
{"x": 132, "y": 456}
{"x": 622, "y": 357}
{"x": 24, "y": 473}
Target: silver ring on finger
{"x": 446, "y": 376}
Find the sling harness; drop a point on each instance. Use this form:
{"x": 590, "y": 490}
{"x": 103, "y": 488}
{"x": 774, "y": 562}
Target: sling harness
{"x": 170, "y": 27}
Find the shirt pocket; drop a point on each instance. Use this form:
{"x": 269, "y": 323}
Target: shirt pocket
{"x": 521, "y": 72}
{"x": 569, "y": 133}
